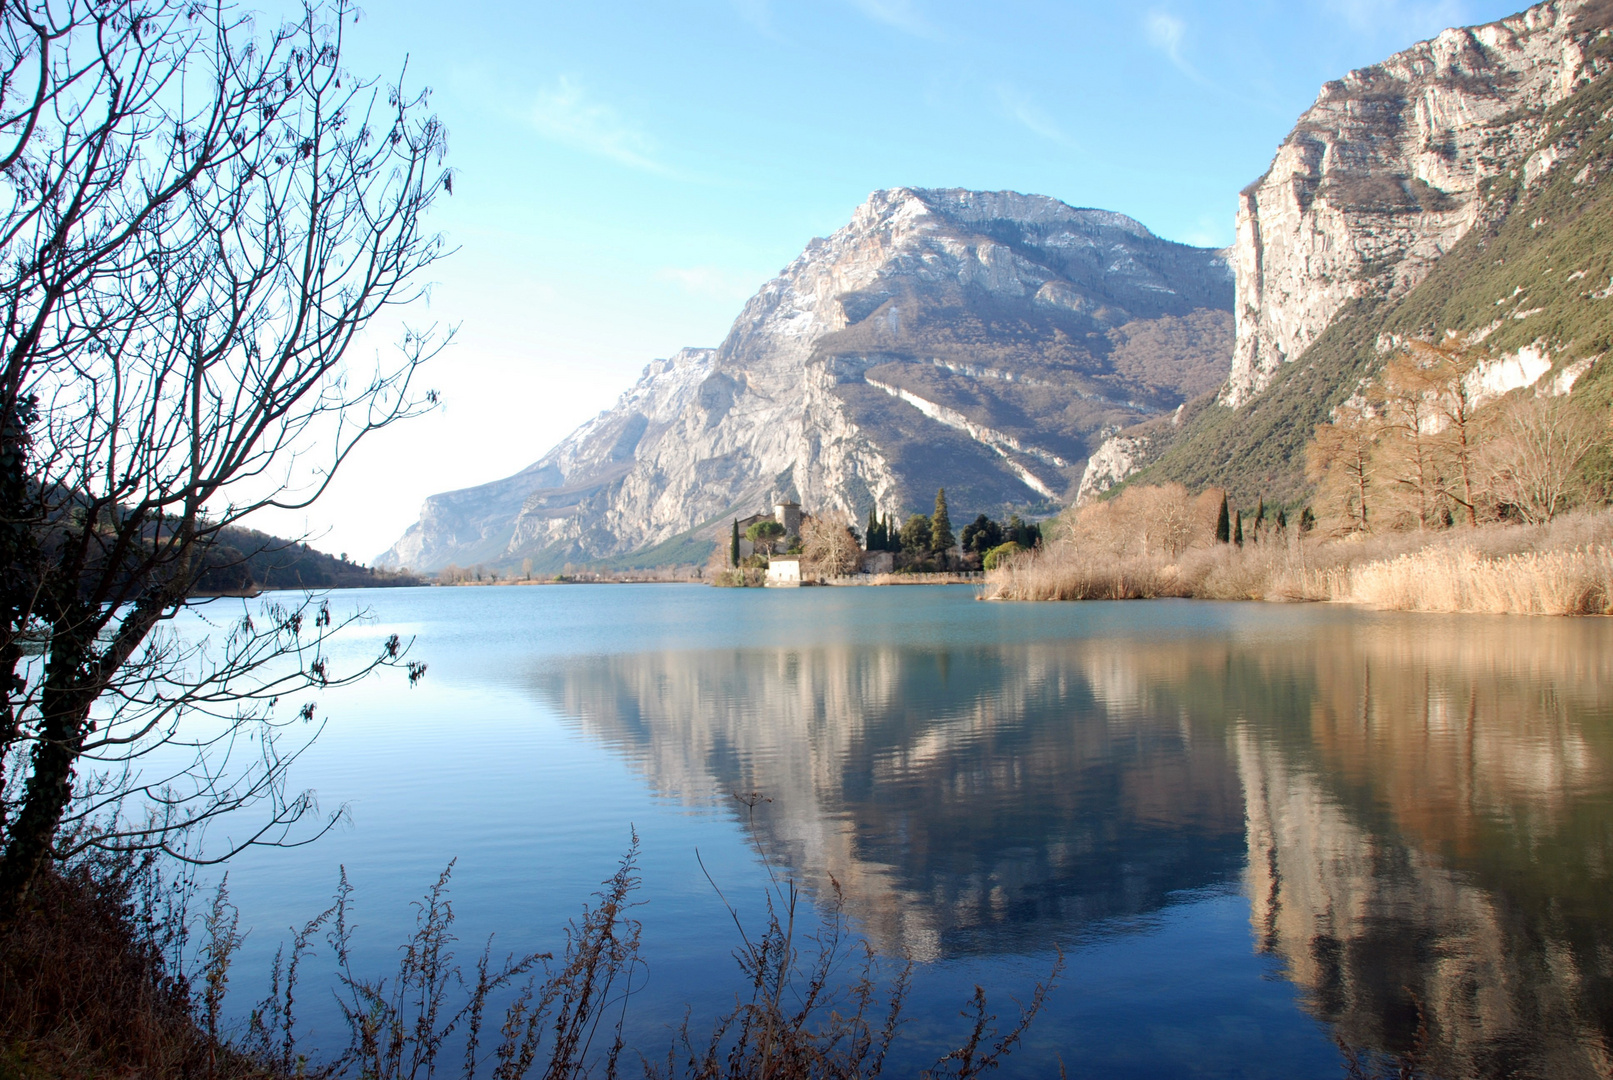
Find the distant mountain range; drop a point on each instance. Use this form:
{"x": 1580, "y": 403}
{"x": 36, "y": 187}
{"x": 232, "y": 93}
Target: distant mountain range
{"x": 1024, "y": 353}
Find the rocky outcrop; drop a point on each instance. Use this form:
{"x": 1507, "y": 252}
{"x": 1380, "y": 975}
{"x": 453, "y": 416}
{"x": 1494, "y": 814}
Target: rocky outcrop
{"x": 1387, "y": 171}
{"x": 978, "y": 341}
{"x": 1117, "y": 458}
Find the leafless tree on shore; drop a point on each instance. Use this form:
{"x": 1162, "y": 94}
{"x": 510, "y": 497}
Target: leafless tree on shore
{"x": 198, "y": 219}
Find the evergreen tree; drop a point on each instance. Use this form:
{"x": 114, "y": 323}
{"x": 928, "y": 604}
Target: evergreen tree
{"x": 1260, "y": 516}
{"x": 733, "y": 546}
{"x": 1237, "y": 528}
{"x": 1282, "y": 518}
{"x": 981, "y": 535}
{"x": 1223, "y": 524}
{"x": 941, "y": 538}
{"x": 871, "y": 541}
{"x": 915, "y": 534}
{"x": 888, "y": 535}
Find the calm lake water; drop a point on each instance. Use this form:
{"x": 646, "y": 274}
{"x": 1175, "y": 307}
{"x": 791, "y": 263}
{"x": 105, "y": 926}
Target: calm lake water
{"x": 1256, "y": 831}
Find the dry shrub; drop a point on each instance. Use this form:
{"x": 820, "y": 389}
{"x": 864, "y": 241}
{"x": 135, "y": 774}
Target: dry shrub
{"x": 1564, "y": 567}
{"x": 823, "y": 1010}
{"x": 89, "y": 983}
{"x": 1144, "y": 521}
{"x": 1069, "y": 571}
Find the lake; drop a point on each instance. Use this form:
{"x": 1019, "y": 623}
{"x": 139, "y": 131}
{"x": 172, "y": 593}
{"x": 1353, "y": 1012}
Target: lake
{"x": 1259, "y": 833}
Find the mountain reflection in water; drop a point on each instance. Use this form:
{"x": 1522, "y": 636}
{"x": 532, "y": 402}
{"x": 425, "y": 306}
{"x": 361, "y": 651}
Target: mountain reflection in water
{"x": 1418, "y": 809}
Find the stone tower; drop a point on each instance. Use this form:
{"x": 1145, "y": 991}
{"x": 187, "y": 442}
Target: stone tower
{"x": 788, "y": 514}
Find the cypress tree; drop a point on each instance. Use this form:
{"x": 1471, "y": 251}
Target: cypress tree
{"x": 733, "y": 546}
{"x": 941, "y": 538}
{"x": 1223, "y": 524}
{"x": 871, "y": 534}
{"x": 1237, "y": 528}
{"x": 888, "y": 535}
{"x": 1260, "y": 516}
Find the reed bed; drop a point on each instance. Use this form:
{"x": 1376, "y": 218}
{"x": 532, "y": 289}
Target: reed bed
{"x": 1532, "y": 583}
{"x": 1561, "y": 568}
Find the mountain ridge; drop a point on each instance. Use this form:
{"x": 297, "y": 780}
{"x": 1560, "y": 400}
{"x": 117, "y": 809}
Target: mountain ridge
{"x": 1332, "y": 278}
{"x": 981, "y": 341}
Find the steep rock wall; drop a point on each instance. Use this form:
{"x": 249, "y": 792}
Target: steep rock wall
{"x": 1384, "y": 174}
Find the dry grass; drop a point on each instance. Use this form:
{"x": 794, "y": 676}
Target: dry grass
{"x": 1577, "y": 582}
{"x": 89, "y": 984}
{"x": 1561, "y": 568}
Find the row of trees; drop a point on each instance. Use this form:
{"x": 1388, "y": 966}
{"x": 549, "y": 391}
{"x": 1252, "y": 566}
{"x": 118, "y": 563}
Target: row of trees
{"x": 920, "y": 534}
{"x": 829, "y": 548}
{"x": 930, "y": 535}
{"x": 1420, "y": 447}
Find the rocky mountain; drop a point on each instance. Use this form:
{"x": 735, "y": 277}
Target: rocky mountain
{"x": 981, "y": 341}
{"x": 1382, "y": 217}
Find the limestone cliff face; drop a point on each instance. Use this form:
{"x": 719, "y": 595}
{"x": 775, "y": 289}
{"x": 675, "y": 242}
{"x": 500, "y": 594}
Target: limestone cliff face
{"x": 979, "y": 341}
{"x": 1385, "y": 173}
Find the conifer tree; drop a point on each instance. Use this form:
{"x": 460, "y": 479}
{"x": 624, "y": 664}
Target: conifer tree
{"x": 1282, "y": 518}
{"x": 1260, "y": 516}
{"x": 871, "y": 533}
{"x": 1237, "y": 528}
{"x": 733, "y": 546}
{"x": 1223, "y": 524}
{"x": 941, "y": 538}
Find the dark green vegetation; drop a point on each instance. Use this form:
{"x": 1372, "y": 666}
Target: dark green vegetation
{"x": 921, "y": 542}
{"x": 1538, "y": 266}
{"x": 246, "y": 561}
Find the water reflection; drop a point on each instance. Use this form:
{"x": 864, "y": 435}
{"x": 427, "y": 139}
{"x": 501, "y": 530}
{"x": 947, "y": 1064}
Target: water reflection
{"x": 1417, "y": 808}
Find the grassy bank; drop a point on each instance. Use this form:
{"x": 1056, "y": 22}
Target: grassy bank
{"x": 1561, "y": 568}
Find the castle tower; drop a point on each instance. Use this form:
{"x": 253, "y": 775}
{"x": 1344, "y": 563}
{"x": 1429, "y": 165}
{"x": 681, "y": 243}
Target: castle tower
{"x": 788, "y": 514}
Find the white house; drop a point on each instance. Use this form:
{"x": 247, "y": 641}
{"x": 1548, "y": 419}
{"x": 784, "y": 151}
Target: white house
{"x": 784, "y": 571}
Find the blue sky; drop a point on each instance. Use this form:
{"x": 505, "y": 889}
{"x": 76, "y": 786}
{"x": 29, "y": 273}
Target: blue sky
{"x": 629, "y": 172}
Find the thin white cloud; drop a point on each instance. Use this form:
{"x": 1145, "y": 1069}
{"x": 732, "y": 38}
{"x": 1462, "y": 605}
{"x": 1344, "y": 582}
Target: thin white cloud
{"x": 565, "y": 114}
{"x": 1018, "y": 106}
{"x": 709, "y": 281}
{"x": 904, "y": 15}
{"x": 1168, "y": 34}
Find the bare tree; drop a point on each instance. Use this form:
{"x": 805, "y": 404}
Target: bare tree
{"x": 1450, "y": 365}
{"x": 1405, "y": 455}
{"x": 828, "y": 549}
{"x": 1533, "y": 461}
{"x": 197, "y": 220}
{"x": 1339, "y": 461}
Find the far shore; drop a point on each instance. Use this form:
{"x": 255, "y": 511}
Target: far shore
{"x": 851, "y": 580}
